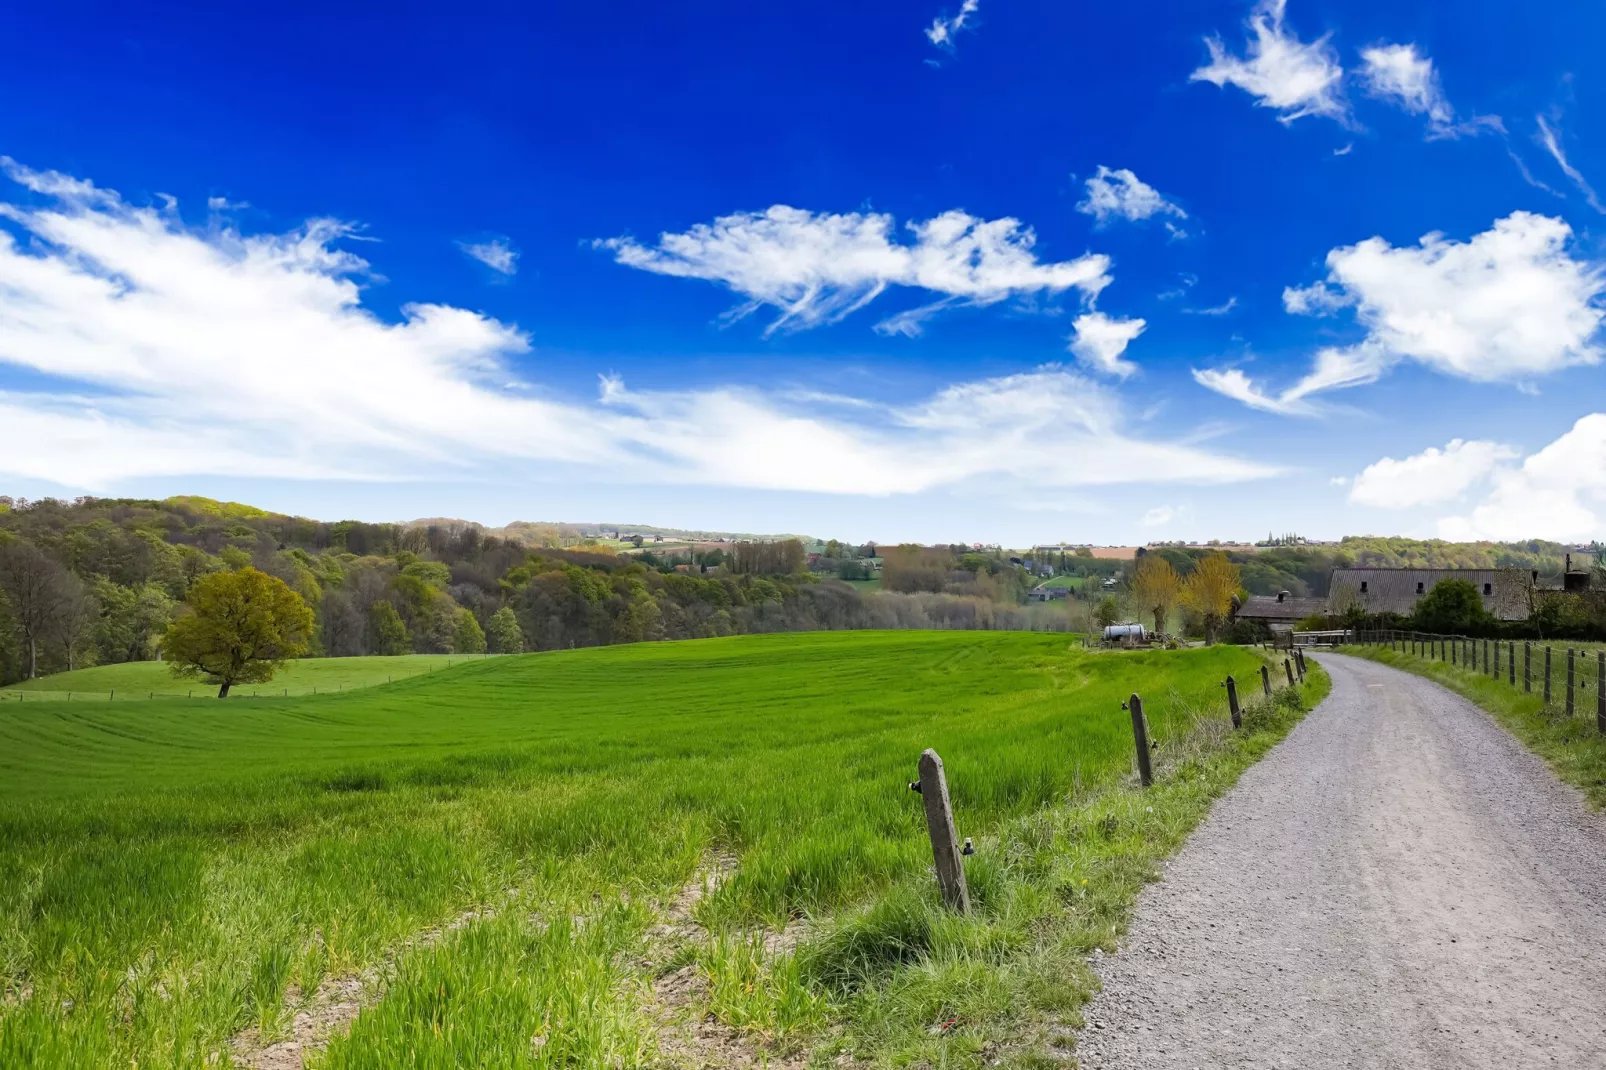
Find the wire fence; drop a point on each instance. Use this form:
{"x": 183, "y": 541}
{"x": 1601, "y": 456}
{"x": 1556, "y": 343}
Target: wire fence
{"x": 1569, "y": 679}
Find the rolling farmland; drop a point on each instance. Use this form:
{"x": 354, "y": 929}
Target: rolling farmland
{"x": 587, "y": 858}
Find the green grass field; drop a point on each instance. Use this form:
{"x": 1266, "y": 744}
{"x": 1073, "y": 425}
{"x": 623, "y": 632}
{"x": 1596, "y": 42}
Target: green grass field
{"x": 500, "y": 856}
{"x": 142, "y": 679}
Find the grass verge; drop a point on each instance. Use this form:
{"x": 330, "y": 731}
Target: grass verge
{"x": 1573, "y": 746}
{"x": 918, "y": 987}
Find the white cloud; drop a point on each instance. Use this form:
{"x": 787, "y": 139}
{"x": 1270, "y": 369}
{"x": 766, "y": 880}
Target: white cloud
{"x": 1279, "y": 70}
{"x": 1557, "y": 493}
{"x": 497, "y": 254}
{"x": 1233, "y": 383}
{"x": 1551, "y": 140}
{"x": 1431, "y": 477}
{"x": 1314, "y": 300}
{"x": 204, "y": 350}
{"x": 1398, "y": 74}
{"x": 1120, "y": 194}
{"x": 1407, "y": 79}
{"x": 1159, "y": 516}
{"x": 942, "y": 29}
{"x": 1508, "y": 305}
{"x": 817, "y": 268}
{"x": 1099, "y": 342}
{"x": 1215, "y": 310}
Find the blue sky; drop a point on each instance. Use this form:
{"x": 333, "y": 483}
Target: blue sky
{"x": 981, "y": 270}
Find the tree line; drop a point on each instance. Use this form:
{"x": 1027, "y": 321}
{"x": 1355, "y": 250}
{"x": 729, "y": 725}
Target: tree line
{"x": 96, "y": 581}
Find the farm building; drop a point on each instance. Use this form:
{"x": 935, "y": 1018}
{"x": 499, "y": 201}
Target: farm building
{"x": 1281, "y": 611}
{"x": 1045, "y": 593}
{"x": 1397, "y": 590}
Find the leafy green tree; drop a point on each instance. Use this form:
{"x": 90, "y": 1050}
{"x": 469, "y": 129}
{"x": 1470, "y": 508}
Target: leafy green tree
{"x": 469, "y": 637}
{"x": 505, "y": 635}
{"x": 1107, "y": 612}
{"x": 241, "y": 627}
{"x": 1452, "y": 607}
{"x": 388, "y": 631}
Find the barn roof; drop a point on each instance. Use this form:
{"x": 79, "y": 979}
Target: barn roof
{"x": 1281, "y": 607}
{"x": 1397, "y": 590}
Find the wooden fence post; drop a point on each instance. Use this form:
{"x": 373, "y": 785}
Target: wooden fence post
{"x": 1288, "y": 667}
{"x": 1569, "y": 681}
{"x": 1528, "y": 667}
{"x": 1454, "y": 643}
{"x": 1547, "y": 677}
{"x": 1232, "y": 702}
{"x": 1497, "y": 661}
{"x": 1511, "y": 662}
{"x": 1265, "y": 680}
{"x": 1140, "y": 737}
{"x": 1600, "y": 690}
{"x": 933, "y": 788}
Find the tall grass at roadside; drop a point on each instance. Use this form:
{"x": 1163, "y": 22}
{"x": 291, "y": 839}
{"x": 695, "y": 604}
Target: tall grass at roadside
{"x": 169, "y": 870}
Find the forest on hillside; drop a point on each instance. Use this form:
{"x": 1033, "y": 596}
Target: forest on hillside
{"x": 96, "y": 581}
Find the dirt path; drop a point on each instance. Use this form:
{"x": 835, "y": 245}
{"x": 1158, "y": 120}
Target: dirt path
{"x": 1399, "y": 884}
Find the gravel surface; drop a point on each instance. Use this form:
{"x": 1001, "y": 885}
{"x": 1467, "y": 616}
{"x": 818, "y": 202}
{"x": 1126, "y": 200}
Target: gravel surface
{"x": 1399, "y": 884}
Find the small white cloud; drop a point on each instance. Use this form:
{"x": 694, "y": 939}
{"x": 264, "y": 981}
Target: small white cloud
{"x": 1431, "y": 477}
{"x": 1346, "y": 150}
{"x": 1398, "y": 74}
{"x": 942, "y": 29}
{"x": 1507, "y": 305}
{"x": 1338, "y": 481}
{"x": 1099, "y": 342}
{"x": 1233, "y": 383}
{"x": 817, "y": 268}
{"x": 1550, "y": 138}
{"x": 1159, "y": 516}
{"x": 1281, "y": 72}
{"x": 1557, "y": 493}
{"x": 1407, "y": 79}
{"x": 497, "y": 254}
{"x": 1215, "y": 310}
{"x": 1120, "y": 194}
{"x": 1314, "y": 300}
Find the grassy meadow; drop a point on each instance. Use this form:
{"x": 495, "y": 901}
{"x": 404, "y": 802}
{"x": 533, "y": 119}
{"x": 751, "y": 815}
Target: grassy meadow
{"x": 131, "y": 680}
{"x": 634, "y": 856}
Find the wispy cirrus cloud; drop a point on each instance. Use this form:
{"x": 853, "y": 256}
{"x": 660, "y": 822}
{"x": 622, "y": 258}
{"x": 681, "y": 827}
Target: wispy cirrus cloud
{"x": 1403, "y": 76}
{"x": 497, "y": 254}
{"x": 817, "y": 268}
{"x": 179, "y": 350}
{"x": 943, "y": 28}
{"x": 1508, "y": 305}
{"x": 1550, "y": 137}
{"x": 1291, "y": 77}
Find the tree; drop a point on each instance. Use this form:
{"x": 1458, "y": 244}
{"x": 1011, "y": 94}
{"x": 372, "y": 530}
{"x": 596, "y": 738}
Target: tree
{"x": 468, "y": 637}
{"x": 35, "y": 586}
{"x": 1156, "y": 588}
{"x": 505, "y": 635}
{"x": 1209, "y": 590}
{"x": 1107, "y": 612}
{"x": 75, "y": 621}
{"x": 1452, "y": 607}
{"x": 241, "y": 627}
{"x": 388, "y": 630}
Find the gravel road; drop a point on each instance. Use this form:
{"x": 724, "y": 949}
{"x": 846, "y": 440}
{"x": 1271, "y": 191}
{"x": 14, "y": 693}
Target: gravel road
{"x": 1398, "y": 884}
